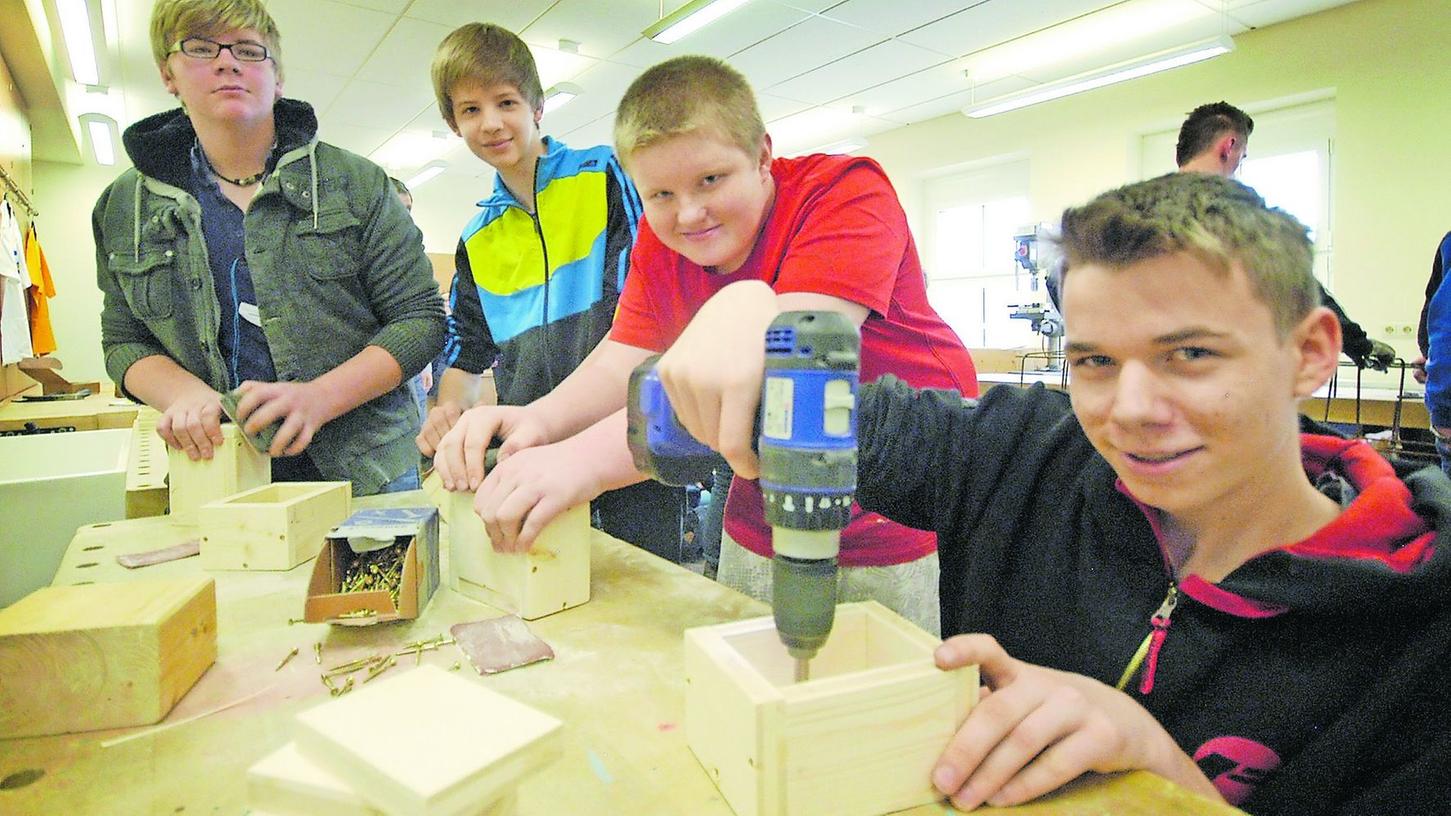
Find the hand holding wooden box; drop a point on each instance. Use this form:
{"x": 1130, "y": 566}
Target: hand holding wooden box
{"x": 551, "y": 577}
{"x": 860, "y": 738}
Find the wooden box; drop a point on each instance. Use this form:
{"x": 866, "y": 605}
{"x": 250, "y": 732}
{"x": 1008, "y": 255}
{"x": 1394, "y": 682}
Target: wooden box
{"x": 50, "y": 485}
{"x": 552, "y": 576}
{"x": 81, "y": 658}
{"x": 235, "y": 466}
{"x": 428, "y": 743}
{"x": 275, "y": 527}
{"x": 860, "y": 738}
{"x": 146, "y": 491}
{"x": 327, "y": 603}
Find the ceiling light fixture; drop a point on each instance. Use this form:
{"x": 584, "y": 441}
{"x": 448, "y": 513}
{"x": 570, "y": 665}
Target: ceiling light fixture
{"x": 1133, "y": 69}
{"x": 426, "y": 174}
{"x": 560, "y": 95}
{"x": 689, "y": 19}
{"x": 79, "y": 26}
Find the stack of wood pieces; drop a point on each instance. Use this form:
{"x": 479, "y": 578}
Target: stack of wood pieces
{"x": 423, "y": 743}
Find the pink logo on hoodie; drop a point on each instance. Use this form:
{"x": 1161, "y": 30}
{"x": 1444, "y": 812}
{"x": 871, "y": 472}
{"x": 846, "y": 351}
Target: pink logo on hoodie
{"x": 1236, "y": 765}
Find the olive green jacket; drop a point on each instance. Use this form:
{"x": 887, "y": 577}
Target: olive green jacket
{"x": 336, "y": 262}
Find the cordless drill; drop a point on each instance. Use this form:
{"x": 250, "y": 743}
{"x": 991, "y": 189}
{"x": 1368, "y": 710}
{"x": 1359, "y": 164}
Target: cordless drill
{"x": 807, "y": 448}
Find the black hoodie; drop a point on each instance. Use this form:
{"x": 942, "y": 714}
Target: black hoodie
{"x": 1315, "y": 678}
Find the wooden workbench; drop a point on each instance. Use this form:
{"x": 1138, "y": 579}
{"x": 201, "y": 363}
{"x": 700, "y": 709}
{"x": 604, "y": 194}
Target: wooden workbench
{"x": 96, "y": 412}
{"x": 616, "y": 682}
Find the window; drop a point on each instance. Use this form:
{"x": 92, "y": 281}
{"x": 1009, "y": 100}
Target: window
{"x": 972, "y": 279}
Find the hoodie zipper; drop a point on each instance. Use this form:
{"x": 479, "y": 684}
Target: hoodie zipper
{"x": 544, "y": 251}
{"x": 1153, "y": 642}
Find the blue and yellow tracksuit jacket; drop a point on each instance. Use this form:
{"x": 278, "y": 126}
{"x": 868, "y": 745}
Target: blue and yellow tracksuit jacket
{"x": 534, "y": 293}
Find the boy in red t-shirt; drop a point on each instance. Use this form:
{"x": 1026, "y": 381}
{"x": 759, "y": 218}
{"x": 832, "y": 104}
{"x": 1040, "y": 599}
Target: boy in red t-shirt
{"x": 825, "y": 232}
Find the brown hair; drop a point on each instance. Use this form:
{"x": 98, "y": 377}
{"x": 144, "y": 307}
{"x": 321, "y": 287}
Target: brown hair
{"x": 684, "y": 95}
{"x": 1216, "y": 219}
{"x": 174, "y": 20}
{"x": 1205, "y": 125}
{"x": 487, "y": 54}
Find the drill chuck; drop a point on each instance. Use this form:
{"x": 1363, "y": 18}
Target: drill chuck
{"x": 803, "y": 601}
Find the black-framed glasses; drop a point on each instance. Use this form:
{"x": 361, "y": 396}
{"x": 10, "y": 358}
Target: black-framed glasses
{"x": 203, "y": 48}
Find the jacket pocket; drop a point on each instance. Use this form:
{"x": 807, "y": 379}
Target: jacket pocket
{"x": 149, "y": 284}
{"x": 334, "y": 250}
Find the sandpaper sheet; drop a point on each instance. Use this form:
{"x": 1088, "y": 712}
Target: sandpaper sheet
{"x": 185, "y": 549}
{"x": 500, "y": 644}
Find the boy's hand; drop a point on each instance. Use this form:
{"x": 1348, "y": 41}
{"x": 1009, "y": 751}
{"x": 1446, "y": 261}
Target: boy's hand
{"x": 459, "y": 458}
{"x": 1418, "y": 369}
{"x": 301, "y": 406}
{"x": 441, "y": 419}
{"x": 713, "y": 372}
{"x": 1035, "y": 729}
{"x": 193, "y": 423}
{"x": 523, "y": 494}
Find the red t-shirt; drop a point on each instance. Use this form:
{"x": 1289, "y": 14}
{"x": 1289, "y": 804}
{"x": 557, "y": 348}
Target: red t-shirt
{"x": 835, "y": 228}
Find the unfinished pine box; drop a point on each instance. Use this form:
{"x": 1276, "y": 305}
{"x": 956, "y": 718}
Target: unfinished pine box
{"x": 92, "y": 656}
{"x": 235, "y": 466}
{"x": 551, "y": 577}
{"x": 51, "y": 485}
{"x": 275, "y": 527}
{"x": 860, "y": 738}
{"x": 429, "y": 743}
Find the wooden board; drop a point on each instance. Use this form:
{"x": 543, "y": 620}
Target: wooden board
{"x": 859, "y": 738}
{"x": 146, "y": 491}
{"x": 551, "y": 577}
{"x": 274, "y": 527}
{"x": 235, "y": 466}
{"x": 428, "y": 743}
{"x": 80, "y": 658}
{"x": 96, "y": 412}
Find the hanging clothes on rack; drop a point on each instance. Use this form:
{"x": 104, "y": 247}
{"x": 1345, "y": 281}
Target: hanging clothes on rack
{"x": 14, "y": 280}
{"x": 42, "y": 289}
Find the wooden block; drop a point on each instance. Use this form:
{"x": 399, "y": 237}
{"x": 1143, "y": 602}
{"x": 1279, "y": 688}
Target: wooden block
{"x": 146, "y": 491}
{"x": 428, "y": 743}
{"x": 235, "y": 466}
{"x": 275, "y": 527}
{"x": 551, "y": 577}
{"x": 286, "y": 783}
{"x": 859, "y": 738}
{"x": 81, "y": 658}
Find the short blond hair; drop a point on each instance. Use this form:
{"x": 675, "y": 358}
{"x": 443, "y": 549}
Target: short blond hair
{"x": 1216, "y": 219}
{"x": 489, "y": 55}
{"x": 175, "y": 20}
{"x": 685, "y": 95}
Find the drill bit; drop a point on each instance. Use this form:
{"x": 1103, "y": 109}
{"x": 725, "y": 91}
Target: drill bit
{"x": 803, "y": 669}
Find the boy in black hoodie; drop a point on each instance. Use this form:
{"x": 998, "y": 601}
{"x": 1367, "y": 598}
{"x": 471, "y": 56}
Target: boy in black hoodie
{"x": 1159, "y": 571}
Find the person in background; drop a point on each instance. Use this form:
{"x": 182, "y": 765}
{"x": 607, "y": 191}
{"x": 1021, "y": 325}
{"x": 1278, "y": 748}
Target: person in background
{"x": 241, "y": 252}
{"x": 1215, "y": 139}
{"x": 1434, "y": 335}
{"x": 822, "y": 232}
{"x": 541, "y": 266}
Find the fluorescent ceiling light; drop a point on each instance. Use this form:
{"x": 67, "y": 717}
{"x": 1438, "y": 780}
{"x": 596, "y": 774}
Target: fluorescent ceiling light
{"x": 80, "y": 45}
{"x": 427, "y": 174}
{"x": 689, "y": 19}
{"x": 103, "y": 133}
{"x": 560, "y": 95}
{"x": 1119, "y": 25}
{"x": 412, "y": 147}
{"x": 1134, "y": 69}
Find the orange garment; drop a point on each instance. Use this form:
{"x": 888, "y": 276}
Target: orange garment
{"x": 41, "y": 290}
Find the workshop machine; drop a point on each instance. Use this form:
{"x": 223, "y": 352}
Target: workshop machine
{"x": 1032, "y": 256}
{"x": 808, "y": 451}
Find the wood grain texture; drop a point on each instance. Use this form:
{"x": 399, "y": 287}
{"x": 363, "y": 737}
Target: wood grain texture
{"x": 80, "y": 658}
{"x": 274, "y": 527}
{"x": 859, "y": 738}
{"x": 551, "y": 577}
{"x": 428, "y": 742}
{"x": 235, "y": 466}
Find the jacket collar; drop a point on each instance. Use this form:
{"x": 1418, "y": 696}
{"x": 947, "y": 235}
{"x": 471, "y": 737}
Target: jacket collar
{"x": 159, "y": 145}
{"x": 543, "y": 172}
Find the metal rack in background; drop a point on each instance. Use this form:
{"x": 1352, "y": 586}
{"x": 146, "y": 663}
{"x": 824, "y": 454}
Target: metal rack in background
{"x": 1413, "y": 446}
{"x": 14, "y": 191}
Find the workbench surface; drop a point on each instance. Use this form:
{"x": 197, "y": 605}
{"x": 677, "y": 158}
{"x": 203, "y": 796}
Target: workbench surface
{"x": 616, "y": 682}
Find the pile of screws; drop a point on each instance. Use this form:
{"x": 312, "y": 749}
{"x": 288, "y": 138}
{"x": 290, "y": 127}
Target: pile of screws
{"x": 379, "y": 570}
{"x": 374, "y": 665}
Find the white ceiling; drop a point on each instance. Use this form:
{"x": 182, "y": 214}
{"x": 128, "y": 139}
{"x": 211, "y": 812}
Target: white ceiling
{"x": 823, "y": 70}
